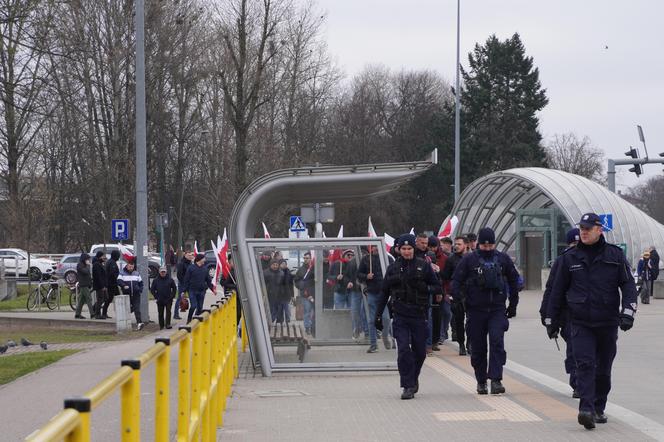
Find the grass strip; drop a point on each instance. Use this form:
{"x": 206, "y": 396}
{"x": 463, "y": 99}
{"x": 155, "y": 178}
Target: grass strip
{"x": 15, "y": 366}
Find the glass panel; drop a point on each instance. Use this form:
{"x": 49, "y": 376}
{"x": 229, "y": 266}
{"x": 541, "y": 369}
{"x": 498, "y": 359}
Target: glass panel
{"x": 540, "y": 220}
{"x": 318, "y": 296}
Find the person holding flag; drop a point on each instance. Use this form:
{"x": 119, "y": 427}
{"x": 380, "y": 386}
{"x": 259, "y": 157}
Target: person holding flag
{"x": 305, "y": 283}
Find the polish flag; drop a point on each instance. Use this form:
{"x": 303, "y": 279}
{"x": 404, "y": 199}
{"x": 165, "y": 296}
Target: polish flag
{"x": 195, "y": 247}
{"x": 127, "y": 255}
{"x": 372, "y": 231}
{"x": 448, "y": 226}
{"x": 389, "y": 241}
{"x": 412, "y": 231}
{"x": 222, "y": 254}
{"x": 266, "y": 234}
{"x": 335, "y": 255}
{"x": 217, "y": 269}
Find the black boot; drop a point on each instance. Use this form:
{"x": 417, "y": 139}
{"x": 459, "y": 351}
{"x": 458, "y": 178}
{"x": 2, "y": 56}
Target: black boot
{"x": 408, "y": 393}
{"x": 601, "y": 418}
{"x": 481, "y": 388}
{"x": 587, "y": 419}
{"x": 462, "y": 349}
{"x": 497, "y": 387}
{"x": 417, "y": 387}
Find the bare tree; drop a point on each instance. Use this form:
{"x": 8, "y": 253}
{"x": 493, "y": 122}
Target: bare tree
{"x": 648, "y": 197}
{"x": 568, "y": 153}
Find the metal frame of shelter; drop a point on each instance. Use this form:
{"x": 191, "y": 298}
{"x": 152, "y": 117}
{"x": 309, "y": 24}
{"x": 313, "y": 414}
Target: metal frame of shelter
{"x": 495, "y": 200}
{"x": 303, "y": 185}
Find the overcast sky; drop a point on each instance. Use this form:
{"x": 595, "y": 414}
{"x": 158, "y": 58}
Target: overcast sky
{"x": 593, "y": 90}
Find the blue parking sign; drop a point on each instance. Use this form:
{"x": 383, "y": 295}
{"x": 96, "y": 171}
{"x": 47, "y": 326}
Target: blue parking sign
{"x": 607, "y": 221}
{"x": 120, "y": 229}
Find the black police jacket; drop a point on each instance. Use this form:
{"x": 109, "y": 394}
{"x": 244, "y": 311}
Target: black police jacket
{"x": 409, "y": 277}
{"x": 590, "y": 287}
{"x": 547, "y": 293}
{"x": 465, "y": 280}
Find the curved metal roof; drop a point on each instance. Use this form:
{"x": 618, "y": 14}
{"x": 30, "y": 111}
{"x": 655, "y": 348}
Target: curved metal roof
{"x": 493, "y": 200}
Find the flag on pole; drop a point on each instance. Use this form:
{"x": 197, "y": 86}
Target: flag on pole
{"x": 389, "y": 241}
{"x": 266, "y": 234}
{"x": 372, "y": 231}
{"x": 222, "y": 254}
{"x": 127, "y": 255}
{"x": 448, "y": 226}
{"x": 412, "y": 231}
{"x": 196, "y": 247}
{"x": 217, "y": 269}
{"x": 335, "y": 255}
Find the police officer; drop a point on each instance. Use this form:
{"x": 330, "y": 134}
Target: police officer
{"x": 570, "y": 366}
{"x": 406, "y": 286}
{"x": 485, "y": 275}
{"x": 588, "y": 279}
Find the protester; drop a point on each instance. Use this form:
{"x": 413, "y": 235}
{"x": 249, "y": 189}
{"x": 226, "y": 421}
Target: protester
{"x": 645, "y": 273}
{"x": 273, "y": 277}
{"x": 84, "y": 274}
{"x": 197, "y": 280}
{"x": 163, "y": 290}
{"x": 286, "y": 292}
{"x": 182, "y": 266}
{"x": 112, "y": 272}
{"x": 370, "y": 273}
{"x": 132, "y": 284}
{"x": 99, "y": 283}
{"x": 305, "y": 282}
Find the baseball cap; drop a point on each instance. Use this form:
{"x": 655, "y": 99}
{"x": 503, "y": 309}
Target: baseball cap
{"x": 589, "y": 220}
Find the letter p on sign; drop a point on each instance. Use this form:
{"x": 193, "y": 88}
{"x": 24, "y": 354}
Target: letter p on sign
{"x": 120, "y": 229}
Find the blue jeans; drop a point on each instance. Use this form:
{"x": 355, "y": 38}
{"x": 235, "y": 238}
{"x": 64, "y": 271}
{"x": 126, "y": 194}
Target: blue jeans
{"x": 373, "y": 299}
{"x": 308, "y": 313}
{"x": 341, "y": 301}
{"x": 196, "y": 300}
{"x": 358, "y": 315}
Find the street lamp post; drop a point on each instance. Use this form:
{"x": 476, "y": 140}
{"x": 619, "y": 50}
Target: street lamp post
{"x": 457, "y": 115}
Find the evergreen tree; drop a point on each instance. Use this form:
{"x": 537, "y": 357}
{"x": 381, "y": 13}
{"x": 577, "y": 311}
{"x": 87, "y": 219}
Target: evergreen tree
{"x": 500, "y": 98}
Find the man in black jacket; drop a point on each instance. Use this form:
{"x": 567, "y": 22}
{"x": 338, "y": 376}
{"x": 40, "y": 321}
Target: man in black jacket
{"x": 112, "y": 272}
{"x": 163, "y": 289}
{"x": 182, "y": 266}
{"x": 305, "y": 283}
{"x": 458, "y": 309}
{"x": 99, "y": 283}
{"x": 370, "y": 273}
{"x": 197, "y": 280}
{"x": 595, "y": 281}
{"x": 84, "y": 274}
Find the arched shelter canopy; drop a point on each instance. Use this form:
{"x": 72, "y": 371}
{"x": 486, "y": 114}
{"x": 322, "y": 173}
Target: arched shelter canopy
{"x": 493, "y": 200}
{"x": 302, "y": 186}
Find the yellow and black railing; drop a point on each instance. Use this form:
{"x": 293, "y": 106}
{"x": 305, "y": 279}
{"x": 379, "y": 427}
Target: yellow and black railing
{"x": 207, "y": 365}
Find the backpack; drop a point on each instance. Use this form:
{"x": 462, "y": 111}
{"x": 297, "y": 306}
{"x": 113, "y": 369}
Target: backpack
{"x": 489, "y": 274}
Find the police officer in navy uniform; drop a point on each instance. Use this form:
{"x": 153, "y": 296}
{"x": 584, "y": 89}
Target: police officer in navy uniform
{"x": 570, "y": 365}
{"x": 488, "y": 278}
{"x": 587, "y": 280}
{"x": 407, "y": 284}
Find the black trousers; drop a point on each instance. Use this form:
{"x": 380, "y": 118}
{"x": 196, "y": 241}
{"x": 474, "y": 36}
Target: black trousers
{"x": 458, "y": 322}
{"x": 135, "y": 300}
{"x": 111, "y": 292}
{"x": 436, "y": 319}
{"x": 100, "y": 295}
{"x": 164, "y": 313}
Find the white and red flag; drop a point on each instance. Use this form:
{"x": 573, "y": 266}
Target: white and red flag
{"x": 335, "y": 254}
{"x": 412, "y": 231}
{"x": 127, "y": 255}
{"x": 195, "y": 247}
{"x": 222, "y": 254}
{"x": 389, "y": 241}
{"x": 266, "y": 234}
{"x": 448, "y": 226}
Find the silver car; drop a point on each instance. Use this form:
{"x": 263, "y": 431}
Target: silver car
{"x": 66, "y": 268}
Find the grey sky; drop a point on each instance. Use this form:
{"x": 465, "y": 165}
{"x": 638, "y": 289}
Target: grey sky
{"x": 592, "y": 90}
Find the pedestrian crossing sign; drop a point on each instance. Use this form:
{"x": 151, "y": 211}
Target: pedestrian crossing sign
{"x": 296, "y": 224}
{"x": 607, "y": 221}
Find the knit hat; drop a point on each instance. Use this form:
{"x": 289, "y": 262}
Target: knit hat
{"x": 573, "y": 235}
{"x": 434, "y": 241}
{"x": 405, "y": 240}
{"x": 99, "y": 254}
{"x": 486, "y": 236}
{"x": 199, "y": 257}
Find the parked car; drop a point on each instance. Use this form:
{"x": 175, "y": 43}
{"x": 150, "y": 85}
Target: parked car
{"x": 154, "y": 261}
{"x": 40, "y": 268}
{"x": 66, "y": 268}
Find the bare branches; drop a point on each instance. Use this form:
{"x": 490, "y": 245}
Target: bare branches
{"x": 576, "y": 155}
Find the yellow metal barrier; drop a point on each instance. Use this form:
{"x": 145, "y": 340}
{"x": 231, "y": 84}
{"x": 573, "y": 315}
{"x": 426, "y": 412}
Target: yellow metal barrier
{"x": 207, "y": 366}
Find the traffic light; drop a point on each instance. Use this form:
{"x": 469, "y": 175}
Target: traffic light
{"x": 636, "y": 169}
{"x": 633, "y": 153}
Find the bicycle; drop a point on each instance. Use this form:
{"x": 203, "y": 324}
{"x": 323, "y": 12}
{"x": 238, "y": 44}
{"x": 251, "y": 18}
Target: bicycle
{"x": 73, "y": 296}
{"x": 49, "y": 296}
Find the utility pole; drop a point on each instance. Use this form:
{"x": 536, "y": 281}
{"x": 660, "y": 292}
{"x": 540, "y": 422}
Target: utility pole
{"x": 457, "y": 115}
{"x": 141, "y": 239}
